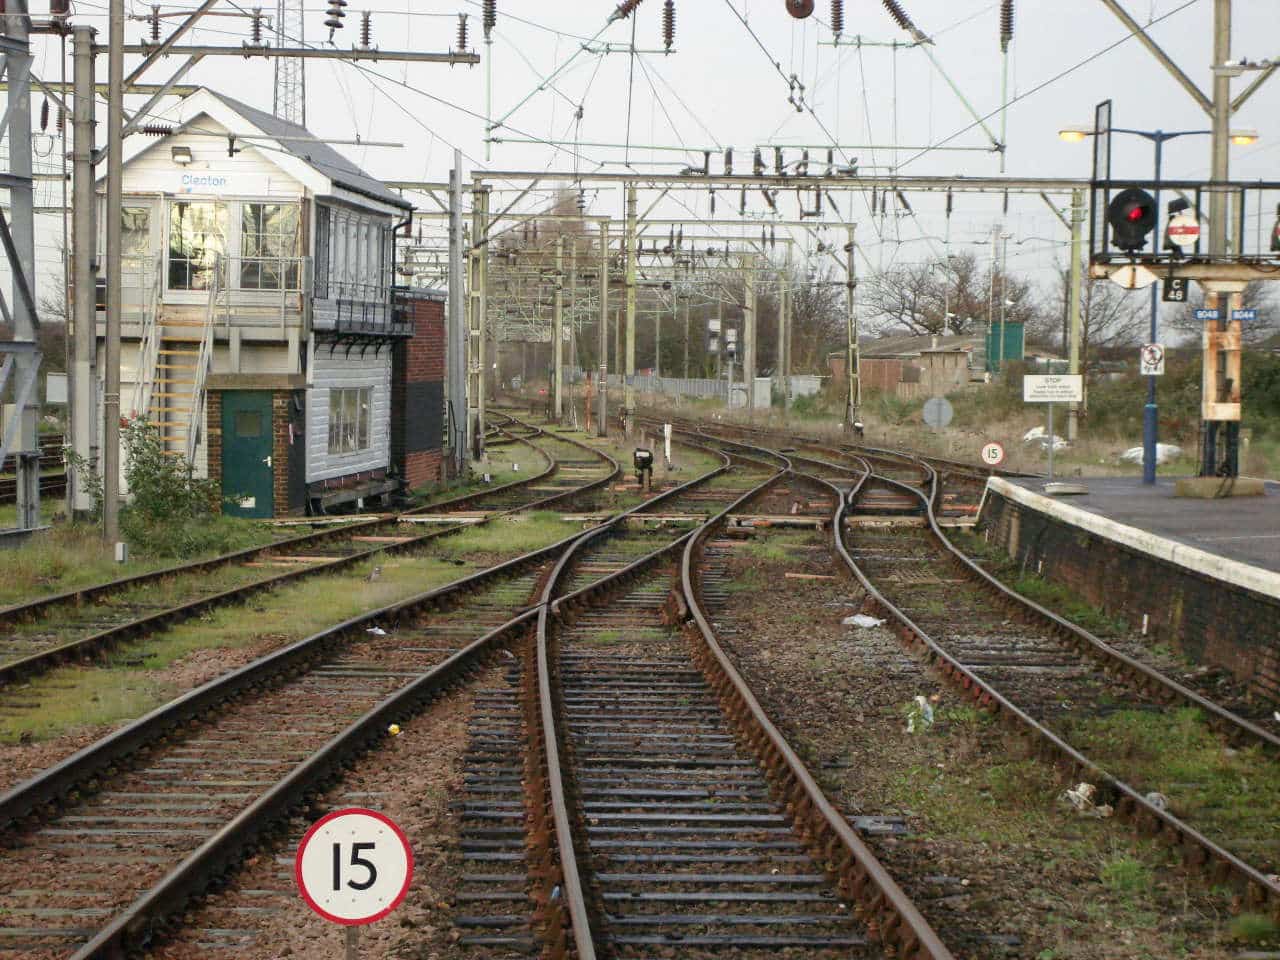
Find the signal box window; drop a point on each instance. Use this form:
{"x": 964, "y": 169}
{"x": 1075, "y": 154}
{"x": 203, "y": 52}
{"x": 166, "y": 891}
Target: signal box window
{"x": 197, "y": 241}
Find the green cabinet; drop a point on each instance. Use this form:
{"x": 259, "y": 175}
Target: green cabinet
{"x": 1013, "y": 344}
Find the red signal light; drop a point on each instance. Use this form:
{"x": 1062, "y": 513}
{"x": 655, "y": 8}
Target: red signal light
{"x": 1135, "y": 214}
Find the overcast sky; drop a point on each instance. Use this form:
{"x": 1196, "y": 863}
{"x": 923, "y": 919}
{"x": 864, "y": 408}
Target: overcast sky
{"x": 720, "y": 88}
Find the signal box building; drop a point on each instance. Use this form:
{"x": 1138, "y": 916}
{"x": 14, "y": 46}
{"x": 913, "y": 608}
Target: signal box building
{"x": 262, "y": 330}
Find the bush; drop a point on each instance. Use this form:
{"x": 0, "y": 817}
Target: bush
{"x": 171, "y": 513}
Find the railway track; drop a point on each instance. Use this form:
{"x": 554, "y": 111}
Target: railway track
{"x": 148, "y": 816}
{"x": 84, "y": 623}
{"x": 53, "y": 480}
{"x": 50, "y": 484}
{"x": 662, "y": 777}
{"x": 1083, "y": 702}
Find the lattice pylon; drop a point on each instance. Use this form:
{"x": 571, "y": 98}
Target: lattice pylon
{"x": 291, "y": 79}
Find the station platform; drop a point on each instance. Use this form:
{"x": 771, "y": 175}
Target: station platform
{"x": 1240, "y": 530}
{"x": 1201, "y": 574}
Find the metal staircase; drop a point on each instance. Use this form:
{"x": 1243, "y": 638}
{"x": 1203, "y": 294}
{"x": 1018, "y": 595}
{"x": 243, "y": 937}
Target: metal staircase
{"x": 174, "y": 358}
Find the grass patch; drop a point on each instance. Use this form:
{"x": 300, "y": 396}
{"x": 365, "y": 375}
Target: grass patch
{"x": 73, "y": 555}
{"x": 605, "y": 638}
{"x": 1230, "y": 794}
{"x": 128, "y": 685}
{"x": 775, "y": 545}
{"x": 1055, "y": 596}
{"x": 512, "y": 535}
{"x": 1066, "y": 604}
{"x": 1253, "y": 928}
{"x": 1126, "y": 876}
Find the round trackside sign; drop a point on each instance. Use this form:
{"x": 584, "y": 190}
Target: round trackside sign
{"x": 354, "y": 866}
{"x": 1184, "y": 230}
{"x": 993, "y": 454}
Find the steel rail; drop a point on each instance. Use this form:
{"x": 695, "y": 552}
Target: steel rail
{"x": 217, "y": 855}
{"x": 862, "y": 878}
{"x": 1195, "y": 848}
{"x": 43, "y": 660}
{"x": 46, "y": 791}
{"x": 976, "y": 471}
{"x": 19, "y": 612}
{"x": 1135, "y": 671}
{"x": 549, "y": 733}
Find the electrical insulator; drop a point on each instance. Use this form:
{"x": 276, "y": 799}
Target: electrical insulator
{"x": 1006, "y": 24}
{"x": 757, "y": 163}
{"x": 62, "y": 120}
{"x": 899, "y": 15}
{"x": 773, "y": 238}
{"x": 713, "y": 202}
{"x": 44, "y": 115}
{"x": 624, "y": 10}
{"x": 800, "y": 9}
{"x": 831, "y": 156}
{"x": 582, "y": 201}
{"x": 742, "y": 202}
{"x": 728, "y": 162}
{"x": 778, "y": 166}
{"x": 154, "y": 21}
{"x": 366, "y": 29}
{"x": 156, "y": 129}
{"x": 255, "y": 27}
{"x": 462, "y": 32}
{"x": 335, "y": 15}
{"x": 680, "y": 238}
{"x": 669, "y": 23}
{"x": 488, "y": 16}
{"x": 837, "y": 17}
{"x": 764, "y": 236}
{"x": 802, "y": 167}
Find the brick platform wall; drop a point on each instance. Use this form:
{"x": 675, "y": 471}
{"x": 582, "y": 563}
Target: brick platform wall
{"x": 213, "y": 443}
{"x": 280, "y": 452}
{"x": 417, "y": 394}
{"x": 1209, "y": 621}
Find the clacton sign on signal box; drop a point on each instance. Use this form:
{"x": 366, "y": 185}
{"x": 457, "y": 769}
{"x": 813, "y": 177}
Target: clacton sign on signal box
{"x": 1058, "y": 388}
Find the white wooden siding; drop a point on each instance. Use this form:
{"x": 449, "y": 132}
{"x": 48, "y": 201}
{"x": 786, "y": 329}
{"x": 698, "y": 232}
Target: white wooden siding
{"x": 248, "y": 174}
{"x": 337, "y": 371}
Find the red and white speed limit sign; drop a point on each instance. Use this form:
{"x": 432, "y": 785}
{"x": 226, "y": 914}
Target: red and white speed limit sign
{"x": 993, "y": 454}
{"x": 354, "y": 866}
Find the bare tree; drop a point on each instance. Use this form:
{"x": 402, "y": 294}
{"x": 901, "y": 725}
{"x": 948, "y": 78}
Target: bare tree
{"x": 955, "y": 296}
{"x": 1110, "y": 316}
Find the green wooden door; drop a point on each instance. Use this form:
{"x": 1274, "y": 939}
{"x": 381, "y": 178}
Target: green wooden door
{"x": 246, "y": 453}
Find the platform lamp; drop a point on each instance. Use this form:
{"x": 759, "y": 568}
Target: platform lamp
{"x": 1240, "y": 138}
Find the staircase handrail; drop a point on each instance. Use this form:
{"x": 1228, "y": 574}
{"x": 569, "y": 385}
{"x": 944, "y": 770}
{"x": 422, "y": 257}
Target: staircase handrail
{"x": 204, "y": 361}
{"x": 144, "y": 378}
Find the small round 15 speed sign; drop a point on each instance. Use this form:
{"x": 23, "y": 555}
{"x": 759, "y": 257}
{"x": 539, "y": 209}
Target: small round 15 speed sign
{"x": 993, "y": 454}
{"x": 354, "y": 866}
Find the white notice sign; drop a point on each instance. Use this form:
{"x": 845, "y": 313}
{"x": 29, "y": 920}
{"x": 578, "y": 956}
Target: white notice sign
{"x": 1151, "y": 360}
{"x": 1060, "y": 388}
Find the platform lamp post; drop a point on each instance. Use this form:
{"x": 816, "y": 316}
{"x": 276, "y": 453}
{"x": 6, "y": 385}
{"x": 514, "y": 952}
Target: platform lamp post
{"x": 1150, "y": 421}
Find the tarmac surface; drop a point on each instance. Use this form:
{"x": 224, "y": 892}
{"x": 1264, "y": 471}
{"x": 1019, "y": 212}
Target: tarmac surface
{"x": 1245, "y": 529}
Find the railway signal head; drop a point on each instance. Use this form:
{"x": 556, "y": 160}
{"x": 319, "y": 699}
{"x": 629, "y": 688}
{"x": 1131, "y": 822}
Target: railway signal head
{"x": 1132, "y": 215}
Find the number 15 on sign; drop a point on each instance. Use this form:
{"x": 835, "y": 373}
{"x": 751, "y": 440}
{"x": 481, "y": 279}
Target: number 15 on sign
{"x": 353, "y": 867}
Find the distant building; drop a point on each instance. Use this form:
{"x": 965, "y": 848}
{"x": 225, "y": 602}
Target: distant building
{"x": 262, "y": 331}
{"x": 913, "y": 367}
